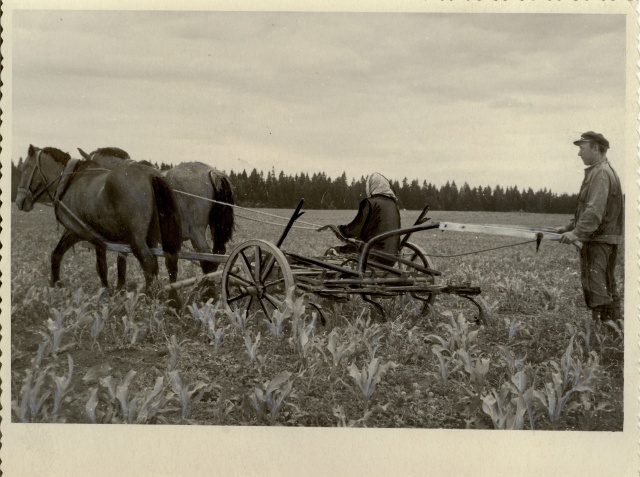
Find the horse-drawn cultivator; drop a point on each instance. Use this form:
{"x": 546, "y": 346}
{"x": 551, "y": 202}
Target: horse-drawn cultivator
{"x": 258, "y": 274}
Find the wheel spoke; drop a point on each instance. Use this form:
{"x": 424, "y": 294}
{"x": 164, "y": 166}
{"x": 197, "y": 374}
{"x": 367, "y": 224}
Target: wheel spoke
{"x": 264, "y": 309}
{"x": 257, "y": 257}
{"x": 246, "y": 310}
{"x": 247, "y": 265}
{"x": 275, "y": 282}
{"x": 239, "y": 297}
{"x": 268, "y": 267}
{"x": 240, "y": 279}
{"x": 273, "y": 300}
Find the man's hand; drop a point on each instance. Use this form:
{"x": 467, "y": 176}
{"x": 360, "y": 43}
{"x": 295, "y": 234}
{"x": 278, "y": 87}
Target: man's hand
{"x": 561, "y": 230}
{"x": 568, "y": 237}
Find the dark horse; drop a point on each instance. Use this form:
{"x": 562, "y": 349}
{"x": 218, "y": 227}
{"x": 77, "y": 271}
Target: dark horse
{"x": 193, "y": 183}
{"x": 132, "y": 205}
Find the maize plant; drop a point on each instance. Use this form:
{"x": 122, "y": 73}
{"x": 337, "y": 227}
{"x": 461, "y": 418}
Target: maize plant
{"x": 447, "y": 365}
{"x": 505, "y": 412}
{"x": 272, "y": 397}
{"x": 190, "y": 394}
{"x": 339, "y": 352}
{"x": 369, "y": 376}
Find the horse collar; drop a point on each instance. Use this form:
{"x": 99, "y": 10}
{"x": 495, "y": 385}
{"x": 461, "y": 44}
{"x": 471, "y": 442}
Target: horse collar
{"x": 64, "y": 178}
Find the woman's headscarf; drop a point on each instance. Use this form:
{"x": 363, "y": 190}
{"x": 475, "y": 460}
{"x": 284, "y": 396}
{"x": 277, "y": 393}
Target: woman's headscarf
{"x": 377, "y": 184}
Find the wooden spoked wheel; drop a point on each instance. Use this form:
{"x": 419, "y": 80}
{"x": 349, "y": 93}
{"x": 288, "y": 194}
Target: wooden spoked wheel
{"x": 256, "y": 277}
{"x": 415, "y": 253}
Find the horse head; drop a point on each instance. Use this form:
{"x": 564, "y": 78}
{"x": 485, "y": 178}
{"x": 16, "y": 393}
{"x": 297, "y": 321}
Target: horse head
{"x": 39, "y": 172}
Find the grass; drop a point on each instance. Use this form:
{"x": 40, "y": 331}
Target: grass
{"x": 78, "y": 356}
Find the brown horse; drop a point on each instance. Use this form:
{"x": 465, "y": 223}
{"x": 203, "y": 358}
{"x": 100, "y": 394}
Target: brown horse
{"x": 132, "y": 205}
{"x": 193, "y": 183}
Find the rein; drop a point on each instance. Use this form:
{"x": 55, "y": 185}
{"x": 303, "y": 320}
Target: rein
{"x": 34, "y": 196}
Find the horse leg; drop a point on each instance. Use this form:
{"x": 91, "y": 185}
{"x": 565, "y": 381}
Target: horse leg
{"x": 148, "y": 262}
{"x": 67, "y": 240}
{"x": 122, "y": 272}
{"x": 199, "y": 242}
{"x": 101, "y": 264}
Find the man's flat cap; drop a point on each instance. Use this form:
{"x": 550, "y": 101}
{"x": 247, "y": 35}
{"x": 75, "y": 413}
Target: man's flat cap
{"x": 591, "y": 136}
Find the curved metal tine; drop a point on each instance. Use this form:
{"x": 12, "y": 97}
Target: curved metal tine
{"x": 377, "y": 305}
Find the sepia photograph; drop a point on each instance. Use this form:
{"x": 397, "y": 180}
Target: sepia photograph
{"x": 390, "y": 238}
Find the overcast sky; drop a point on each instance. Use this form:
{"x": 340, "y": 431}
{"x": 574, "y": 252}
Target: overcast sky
{"x": 485, "y": 98}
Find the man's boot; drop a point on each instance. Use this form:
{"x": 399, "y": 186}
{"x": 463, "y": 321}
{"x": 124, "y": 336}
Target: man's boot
{"x": 599, "y": 313}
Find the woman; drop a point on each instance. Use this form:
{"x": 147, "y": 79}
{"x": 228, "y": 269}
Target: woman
{"x": 378, "y": 213}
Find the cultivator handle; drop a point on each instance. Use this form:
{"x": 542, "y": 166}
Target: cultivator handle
{"x": 533, "y": 233}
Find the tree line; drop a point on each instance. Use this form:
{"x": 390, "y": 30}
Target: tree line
{"x": 255, "y": 189}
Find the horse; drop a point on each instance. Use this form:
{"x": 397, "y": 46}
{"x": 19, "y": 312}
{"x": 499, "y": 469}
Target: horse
{"x": 195, "y": 184}
{"x": 131, "y": 204}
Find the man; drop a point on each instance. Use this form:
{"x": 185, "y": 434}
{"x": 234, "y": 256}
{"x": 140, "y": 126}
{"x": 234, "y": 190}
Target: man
{"x": 598, "y": 224}
{"x": 378, "y": 213}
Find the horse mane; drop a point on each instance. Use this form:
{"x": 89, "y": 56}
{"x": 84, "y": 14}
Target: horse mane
{"x": 58, "y": 155}
{"x": 86, "y": 164}
{"x": 144, "y": 162}
{"x": 112, "y": 152}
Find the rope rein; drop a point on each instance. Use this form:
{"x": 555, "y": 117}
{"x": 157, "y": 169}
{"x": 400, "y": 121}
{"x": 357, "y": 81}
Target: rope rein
{"x": 482, "y": 250}
{"x": 315, "y": 226}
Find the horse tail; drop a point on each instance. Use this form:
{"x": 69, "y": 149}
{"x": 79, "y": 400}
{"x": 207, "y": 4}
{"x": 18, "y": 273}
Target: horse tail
{"x": 169, "y": 219}
{"x": 221, "y": 217}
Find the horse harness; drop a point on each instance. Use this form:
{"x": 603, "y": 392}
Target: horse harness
{"x": 62, "y": 180}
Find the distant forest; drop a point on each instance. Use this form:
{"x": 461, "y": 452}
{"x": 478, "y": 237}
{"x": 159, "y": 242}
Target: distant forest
{"x": 321, "y": 192}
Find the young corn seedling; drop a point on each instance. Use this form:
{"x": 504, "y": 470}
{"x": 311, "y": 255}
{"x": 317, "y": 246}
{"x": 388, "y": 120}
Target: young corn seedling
{"x": 56, "y": 330}
{"x": 131, "y": 330}
{"x": 276, "y": 324}
{"x": 368, "y": 377}
{"x": 514, "y": 293}
{"x": 447, "y": 365}
{"x": 522, "y": 386}
{"x": 477, "y": 372}
{"x": 505, "y": 413}
{"x": 252, "y": 348}
{"x": 145, "y": 407}
{"x": 589, "y": 410}
{"x": 551, "y": 296}
{"x": 236, "y": 318}
{"x": 272, "y": 397}
{"x": 339, "y": 352}
{"x": 100, "y": 318}
{"x": 216, "y": 335}
{"x": 32, "y": 396}
{"x": 514, "y": 363}
{"x": 205, "y": 315}
{"x": 301, "y": 336}
{"x": 567, "y": 379}
{"x": 60, "y": 388}
{"x": 477, "y": 376}
{"x": 175, "y": 351}
{"x": 186, "y": 393}
{"x": 339, "y": 413}
{"x": 130, "y": 303}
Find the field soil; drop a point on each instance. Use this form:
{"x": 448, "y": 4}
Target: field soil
{"x": 82, "y": 355}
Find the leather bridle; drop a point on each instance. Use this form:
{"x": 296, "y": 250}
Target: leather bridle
{"x": 34, "y": 196}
